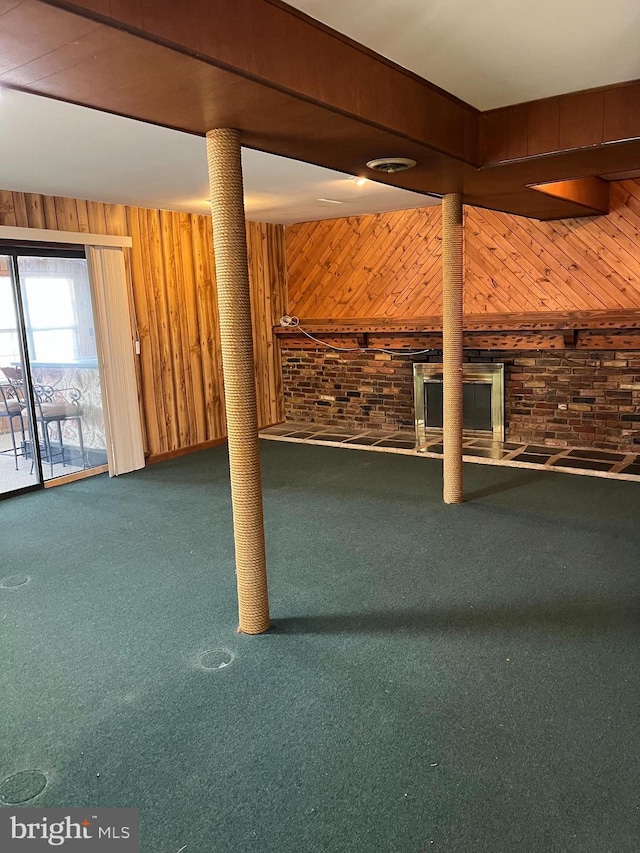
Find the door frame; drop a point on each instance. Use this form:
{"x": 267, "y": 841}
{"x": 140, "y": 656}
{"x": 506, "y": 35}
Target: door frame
{"x": 23, "y": 347}
{"x": 125, "y": 381}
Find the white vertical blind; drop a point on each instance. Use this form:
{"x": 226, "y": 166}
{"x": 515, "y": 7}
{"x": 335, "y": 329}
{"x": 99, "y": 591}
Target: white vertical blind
{"x": 115, "y": 341}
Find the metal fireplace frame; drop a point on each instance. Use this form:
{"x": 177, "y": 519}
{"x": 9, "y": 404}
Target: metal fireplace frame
{"x": 491, "y": 374}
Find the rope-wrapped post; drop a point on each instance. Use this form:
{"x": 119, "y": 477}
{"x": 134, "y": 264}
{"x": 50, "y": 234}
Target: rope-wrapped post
{"x": 234, "y": 305}
{"x": 452, "y": 304}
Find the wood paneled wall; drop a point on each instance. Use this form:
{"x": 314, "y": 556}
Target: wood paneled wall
{"x": 389, "y": 265}
{"x": 385, "y": 265}
{"x": 173, "y": 286}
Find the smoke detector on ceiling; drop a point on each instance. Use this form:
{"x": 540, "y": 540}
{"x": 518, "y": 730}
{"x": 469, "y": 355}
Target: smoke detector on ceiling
{"x": 391, "y": 164}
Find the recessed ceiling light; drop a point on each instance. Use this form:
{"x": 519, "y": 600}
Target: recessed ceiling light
{"x": 359, "y": 181}
{"x": 330, "y": 201}
{"x": 391, "y": 164}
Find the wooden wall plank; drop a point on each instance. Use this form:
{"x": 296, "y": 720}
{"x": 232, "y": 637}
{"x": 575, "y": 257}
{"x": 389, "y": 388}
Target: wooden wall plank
{"x": 207, "y": 312}
{"x": 51, "y": 216}
{"x": 180, "y": 379}
{"x": 168, "y": 365}
{"x": 115, "y": 219}
{"x": 97, "y": 218}
{"x": 20, "y": 210}
{"x": 389, "y": 265}
{"x": 35, "y": 210}
{"x": 265, "y": 252}
{"x": 66, "y": 214}
{"x": 83, "y": 216}
{"x": 190, "y": 330}
{"x": 363, "y": 265}
{"x": 277, "y": 294}
{"x": 157, "y": 400}
{"x": 7, "y": 208}
{"x": 215, "y": 321}
{"x": 144, "y": 327}
{"x": 174, "y": 299}
{"x": 539, "y": 258}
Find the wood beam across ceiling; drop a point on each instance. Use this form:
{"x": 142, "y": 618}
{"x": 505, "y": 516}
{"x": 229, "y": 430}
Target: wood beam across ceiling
{"x": 296, "y": 88}
{"x": 591, "y": 193}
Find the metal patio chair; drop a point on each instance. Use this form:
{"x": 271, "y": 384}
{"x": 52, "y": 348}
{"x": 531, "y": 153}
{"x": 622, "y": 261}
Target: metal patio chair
{"x": 55, "y": 407}
{"x": 11, "y": 407}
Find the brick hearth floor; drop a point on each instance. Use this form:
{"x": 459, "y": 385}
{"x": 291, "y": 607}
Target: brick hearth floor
{"x": 571, "y": 460}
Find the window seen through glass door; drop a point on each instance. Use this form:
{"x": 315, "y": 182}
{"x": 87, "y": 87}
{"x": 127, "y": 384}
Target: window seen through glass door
{"x": 60, "y": 333}
{"x": 18, "y": 468}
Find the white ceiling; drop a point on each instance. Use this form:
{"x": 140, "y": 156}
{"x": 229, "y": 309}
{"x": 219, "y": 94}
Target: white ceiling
{"x": 55, "y": 148}
{"x": 492, "y": 53}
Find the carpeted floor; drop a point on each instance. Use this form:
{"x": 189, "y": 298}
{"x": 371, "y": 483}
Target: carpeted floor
{"x": 455, "y": 679}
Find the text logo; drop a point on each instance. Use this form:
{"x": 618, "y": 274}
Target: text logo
{"x": 86, "y": 830}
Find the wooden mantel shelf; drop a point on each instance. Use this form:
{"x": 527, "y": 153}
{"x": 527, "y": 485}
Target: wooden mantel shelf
{"x": 566, "y": 330}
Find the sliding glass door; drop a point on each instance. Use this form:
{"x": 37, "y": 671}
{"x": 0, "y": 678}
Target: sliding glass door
{"x": 57, "y": 369}
{"x": 18, "y": 469}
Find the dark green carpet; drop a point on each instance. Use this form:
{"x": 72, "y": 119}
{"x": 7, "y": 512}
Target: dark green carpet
{"x": 455, "y": 679}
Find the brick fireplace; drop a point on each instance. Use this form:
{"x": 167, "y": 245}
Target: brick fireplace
{"x": 577, "y": 397}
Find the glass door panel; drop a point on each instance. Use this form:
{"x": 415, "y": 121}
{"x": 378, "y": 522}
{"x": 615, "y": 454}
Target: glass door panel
{"x": 18, "y": 468}
{"x": 60, "y": 333}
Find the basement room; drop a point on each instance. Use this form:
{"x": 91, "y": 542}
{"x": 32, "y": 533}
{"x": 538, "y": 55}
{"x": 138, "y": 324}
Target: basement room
{"x": 319, "y": 426}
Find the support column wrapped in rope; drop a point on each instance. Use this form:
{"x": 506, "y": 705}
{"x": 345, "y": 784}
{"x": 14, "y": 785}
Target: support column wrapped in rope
{"x": 234, "y": 304}
{"x": 452, "y": 305}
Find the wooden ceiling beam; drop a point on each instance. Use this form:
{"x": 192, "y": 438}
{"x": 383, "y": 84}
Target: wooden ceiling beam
{"x": 277, "y": 46}
{"x": 568, "y": 122}
{"x": 296, "y": 88}
{"x": 590, "y": 193}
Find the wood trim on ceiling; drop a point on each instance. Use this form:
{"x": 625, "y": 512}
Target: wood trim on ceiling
{"x": 264, "y": 43}
{"x": 591, "y": 193}
{"x": 299, "y": 89}
{"x": 573, "y": 120}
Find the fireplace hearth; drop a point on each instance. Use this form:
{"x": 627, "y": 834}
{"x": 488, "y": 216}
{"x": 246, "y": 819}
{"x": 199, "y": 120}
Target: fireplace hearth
{"x": 561, "y": 398}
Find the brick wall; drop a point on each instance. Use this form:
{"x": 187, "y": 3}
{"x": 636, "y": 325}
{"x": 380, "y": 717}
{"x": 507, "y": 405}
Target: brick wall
{"x": 574, "y": 397}
{"x": 374, "y": 391}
